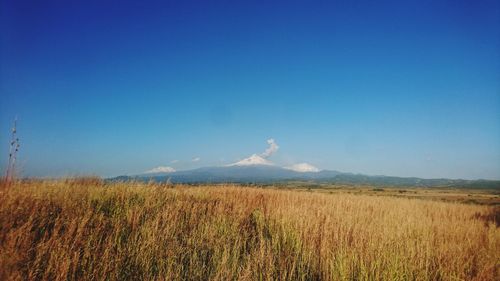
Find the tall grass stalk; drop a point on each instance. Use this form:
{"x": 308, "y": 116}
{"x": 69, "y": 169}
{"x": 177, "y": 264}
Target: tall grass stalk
{"x": 14, "y": 145}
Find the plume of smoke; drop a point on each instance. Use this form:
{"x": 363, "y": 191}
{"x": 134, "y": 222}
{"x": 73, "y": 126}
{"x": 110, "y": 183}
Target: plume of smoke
{"x": 273, "y": 147}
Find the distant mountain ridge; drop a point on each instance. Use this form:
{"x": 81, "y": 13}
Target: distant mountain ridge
{"x": 265, "y": 173}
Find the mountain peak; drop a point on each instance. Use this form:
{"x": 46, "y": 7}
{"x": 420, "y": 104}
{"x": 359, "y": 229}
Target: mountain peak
{"x": 253, "y": 160}
{"x": 303, "y": 168}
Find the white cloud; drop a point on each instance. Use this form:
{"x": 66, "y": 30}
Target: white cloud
{"x": 303, "y": 167}
{"x": 161, "y": 169}
{"x": 196, "y": 159}
{"x": 174, "y": 161}
{"x": 273, "y": 147}
{"x": 252, "y": 160}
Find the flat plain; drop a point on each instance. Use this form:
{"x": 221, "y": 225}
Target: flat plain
{"x": 87, "y": 229}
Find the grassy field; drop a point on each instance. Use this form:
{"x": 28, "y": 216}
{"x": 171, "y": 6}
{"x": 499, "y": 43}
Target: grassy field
{"x": 86, "y": 229}
{"x": 456, "y": 195}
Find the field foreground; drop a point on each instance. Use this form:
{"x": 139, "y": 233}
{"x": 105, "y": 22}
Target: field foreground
{"x": 66, "y": 230}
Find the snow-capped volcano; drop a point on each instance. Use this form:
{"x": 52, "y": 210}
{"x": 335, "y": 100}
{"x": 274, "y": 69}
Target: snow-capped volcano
{"x": 253, "y": 160}
{"x": 303, "y": 168}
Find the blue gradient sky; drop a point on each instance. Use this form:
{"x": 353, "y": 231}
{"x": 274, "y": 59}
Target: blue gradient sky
{"x": 376, "y": 87}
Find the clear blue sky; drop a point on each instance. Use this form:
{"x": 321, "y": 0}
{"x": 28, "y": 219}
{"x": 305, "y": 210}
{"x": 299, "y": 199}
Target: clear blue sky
{"x": 375, "y": 87}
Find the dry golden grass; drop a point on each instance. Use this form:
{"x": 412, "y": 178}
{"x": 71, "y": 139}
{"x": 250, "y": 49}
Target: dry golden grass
{"x": 86, "y": 229}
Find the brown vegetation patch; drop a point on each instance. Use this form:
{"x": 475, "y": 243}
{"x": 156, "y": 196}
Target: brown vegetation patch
{"x": 492, "y": 215}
